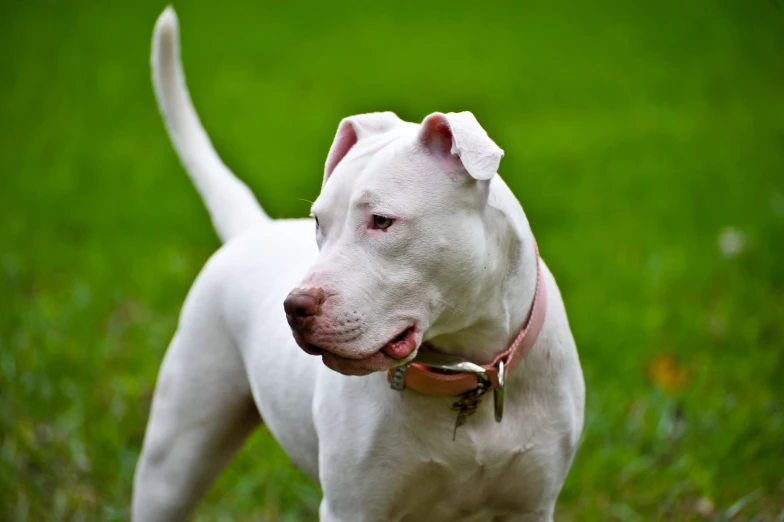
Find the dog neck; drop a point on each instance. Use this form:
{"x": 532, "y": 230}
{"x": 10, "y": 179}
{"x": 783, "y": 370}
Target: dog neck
{"x": 494, "y": 318}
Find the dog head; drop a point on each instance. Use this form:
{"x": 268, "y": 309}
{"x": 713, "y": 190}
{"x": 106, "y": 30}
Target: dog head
{"x": 402, "y": 234}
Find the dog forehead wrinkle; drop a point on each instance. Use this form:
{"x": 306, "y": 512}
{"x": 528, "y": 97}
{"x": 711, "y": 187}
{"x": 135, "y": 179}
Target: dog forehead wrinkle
{"x": 368, "y": 198}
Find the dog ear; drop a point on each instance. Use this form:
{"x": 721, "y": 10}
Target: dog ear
{"x": 459, "y": 136}
{"x": 354, "y": 128}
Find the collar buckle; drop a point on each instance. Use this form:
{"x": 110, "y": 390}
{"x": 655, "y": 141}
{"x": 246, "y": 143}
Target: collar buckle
{"x": 398, "y": 380}
{"x": 450, "y": 363}
{"x": 439, "y": 361}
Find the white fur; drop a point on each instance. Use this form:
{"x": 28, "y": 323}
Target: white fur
{"x": 459, "y": 264}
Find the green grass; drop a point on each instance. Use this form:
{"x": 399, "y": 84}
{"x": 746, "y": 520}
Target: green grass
{"x": 635, "y": 133}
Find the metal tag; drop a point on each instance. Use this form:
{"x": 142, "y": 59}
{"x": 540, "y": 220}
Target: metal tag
{"x": 498, "y": 393}
{"x": 468, "y": 403}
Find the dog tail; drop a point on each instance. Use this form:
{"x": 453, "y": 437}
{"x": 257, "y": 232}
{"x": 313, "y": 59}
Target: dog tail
{"x": 230, "y": 203}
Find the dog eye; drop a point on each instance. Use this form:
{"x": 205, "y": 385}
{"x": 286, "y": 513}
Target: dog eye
{"x": 382, "y": 222}
{"x": 317, "y": 222}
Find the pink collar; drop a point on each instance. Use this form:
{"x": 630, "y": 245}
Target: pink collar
{"x": 423, "y": 379}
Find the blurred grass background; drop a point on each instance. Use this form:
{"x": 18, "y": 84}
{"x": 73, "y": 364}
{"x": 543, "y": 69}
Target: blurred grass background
{"x": 644, "y": 139}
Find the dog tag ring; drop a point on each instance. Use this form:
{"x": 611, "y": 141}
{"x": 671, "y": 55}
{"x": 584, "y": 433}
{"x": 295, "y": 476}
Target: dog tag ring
{"x": 498, "y": 393}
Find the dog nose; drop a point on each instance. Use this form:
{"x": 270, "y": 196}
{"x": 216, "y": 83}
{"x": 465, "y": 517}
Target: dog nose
{"x": 304, "y": 302}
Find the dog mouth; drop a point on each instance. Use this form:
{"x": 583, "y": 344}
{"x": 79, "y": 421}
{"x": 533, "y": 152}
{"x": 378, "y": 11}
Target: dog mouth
{"x": 401, "y": 346}
{"x": 395, "y": 350}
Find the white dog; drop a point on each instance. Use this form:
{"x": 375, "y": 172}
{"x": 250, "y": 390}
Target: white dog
{"x": 421, "y": 255}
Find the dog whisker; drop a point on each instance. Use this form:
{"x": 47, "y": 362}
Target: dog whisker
{"x": 451, "y": 305}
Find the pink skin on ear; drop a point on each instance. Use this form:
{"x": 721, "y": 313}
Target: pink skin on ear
{"x": 459, "y": 137}
{"x": 351, "y": 130}
{"x": 437, "y": 135}
{"x": 345, "y": 139}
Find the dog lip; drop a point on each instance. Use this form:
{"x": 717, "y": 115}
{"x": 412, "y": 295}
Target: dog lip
{"x": 312, "y": 349}
{"x": 389, "y": 355}
{"x": 378, "y": 361}
{"x": 402, "y": 345}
